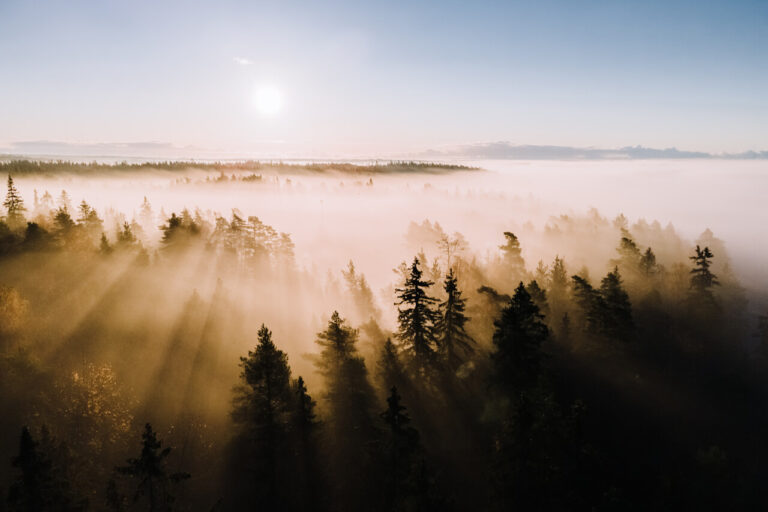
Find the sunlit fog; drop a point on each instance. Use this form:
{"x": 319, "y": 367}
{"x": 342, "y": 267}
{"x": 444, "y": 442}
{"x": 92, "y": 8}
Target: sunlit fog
{"x": 356, "y": 256}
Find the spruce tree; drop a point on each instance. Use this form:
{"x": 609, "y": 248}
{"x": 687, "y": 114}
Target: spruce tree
{"x": 454, "y": 344}
{"x": 150, "y": 471}
{"x": 262, "y": 408}
{"x": 417, "y": 320}
{"x": 517, "y": 340}
{"x": 539, "y": 296}
{"x": 14, "y": 206}
{"x": 648, "y": 265}
{"x": 349, "y": 426}
{"x": 702, "y": 279}
{"x": 589, "y": 303}
{"x": 401, "y": 446}
{"x": 616, "y": 316}
{"x": 304, "y": 428}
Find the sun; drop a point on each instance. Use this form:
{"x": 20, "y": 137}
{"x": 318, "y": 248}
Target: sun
{"x": 268, "y": 100}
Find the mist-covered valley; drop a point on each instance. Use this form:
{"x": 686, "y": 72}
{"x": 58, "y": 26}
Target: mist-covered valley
{"x": 539, "y": 335}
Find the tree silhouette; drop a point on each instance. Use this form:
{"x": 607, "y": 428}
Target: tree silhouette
{"x": 149, "y": 469}
{"x": 512, "y": 259}
{"x": 14, "y": 205}
{"x": 702, "y": 279}
{"x": 417, "y": 319}
{"x": 305, "y": 492}
{"x": 539, "y": 296}
{"x": 616, "y": 315}
{"x": 402, "y": 446}
{"x": 455, "y": 346}
{"x": 517, "y": 341}
{"x": 41, "y": 484}
{"x": 350, "y": 430}
{"x": 262, "y": 408}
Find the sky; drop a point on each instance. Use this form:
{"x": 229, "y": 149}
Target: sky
{"x": 334, "y": 78}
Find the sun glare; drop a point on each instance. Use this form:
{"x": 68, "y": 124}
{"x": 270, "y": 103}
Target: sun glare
{"x": 268, "y": 100}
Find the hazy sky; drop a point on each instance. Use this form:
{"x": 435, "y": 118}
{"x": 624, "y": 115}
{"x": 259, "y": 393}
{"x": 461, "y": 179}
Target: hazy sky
{"x": 355, "y": 77}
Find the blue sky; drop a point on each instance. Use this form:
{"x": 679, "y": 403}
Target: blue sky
{"x": 386, "y": 77}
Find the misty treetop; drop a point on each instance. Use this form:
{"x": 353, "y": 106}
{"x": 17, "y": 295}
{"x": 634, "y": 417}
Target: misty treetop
{"x": 186, "y": 359}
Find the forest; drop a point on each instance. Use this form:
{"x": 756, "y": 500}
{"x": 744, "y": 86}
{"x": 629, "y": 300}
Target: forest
{"x": 199, "y": 358}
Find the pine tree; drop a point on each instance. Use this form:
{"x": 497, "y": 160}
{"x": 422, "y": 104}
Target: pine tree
{"x": 702, "y": 279}
{"x": 512, "y": 257}
{"x": 557, "y": 291}
{"x": 402, "y": 445}
{"x": 262, "y": 408}
{"x": 648, "y": 265}
{"x": 34, "y": 489}
{"x": 454, "y": 344}
{"x": 349, "y": 425}
{"x": 125, "y": 236}
{"x": 305, "y": 429}
{"x": 14, "y": 205}
{"x": 539, "y": 296}
{"x": 417, "y": 320}
{"x": 517, "y": 340}
{"x": 153, "y": 490}
{"x": 589, "y": 303}
{"x": 616, "y": 317}
{"x": 104, "y": 246}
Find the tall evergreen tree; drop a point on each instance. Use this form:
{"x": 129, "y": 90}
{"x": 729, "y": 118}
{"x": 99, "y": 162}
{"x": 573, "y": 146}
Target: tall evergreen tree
{"x": 539, "y": 296}
{"x": 150, "y": 471}
{"x": 702, "y": 278}
{"x": 589, "y": 303}
{"x": 14, "y": 206}
{"x": 306, "y": 475}
{"x": 616, "y": 317}
{"x": 41, "y": 484}
{"x": 455, "y": 346}
{"x": 511, "y": 256}
{"x": 389, "y": 368}
{"x": 417, "y": 320}
{"x": 349, "y": 427}
{"x": 517, "y": 341}
{"x": 262, "y": 408}
{"x": 648, "y": 265}
{"x": 402, "y": 447}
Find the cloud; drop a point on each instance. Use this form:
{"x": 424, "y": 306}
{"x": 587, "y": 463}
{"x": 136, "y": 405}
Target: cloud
{"x": 504, "y": 150}
{"x": 243, "y": 61}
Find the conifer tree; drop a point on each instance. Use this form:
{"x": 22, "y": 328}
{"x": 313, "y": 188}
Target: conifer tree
{"x": 305, "y": 429}
{"x": 455, "y": 346}
{"x": 648, "y": 265}
{"x": 402, "y": 446}
{"x": 349, "y": 425}
{"x": 104, "y": 246}
{"x": 37, "y": 487}
{"x": 14, "y": 206}
{"x": 512, "y": 259}
{"x": 125, "y": 236}
{"x": 262, "y": 408}
{"x": 517, "y": 340}
{"x": 557, "y": 291}
{"x": 150, "y": 471}
{"x": 589, "y": 303}
{"x": 389, "y": 368}
{"x": 702, "y": 278}
{"x": 417, "y": 320}
{"x": 539, "y": 296}
{"x": 616, "y": 317}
